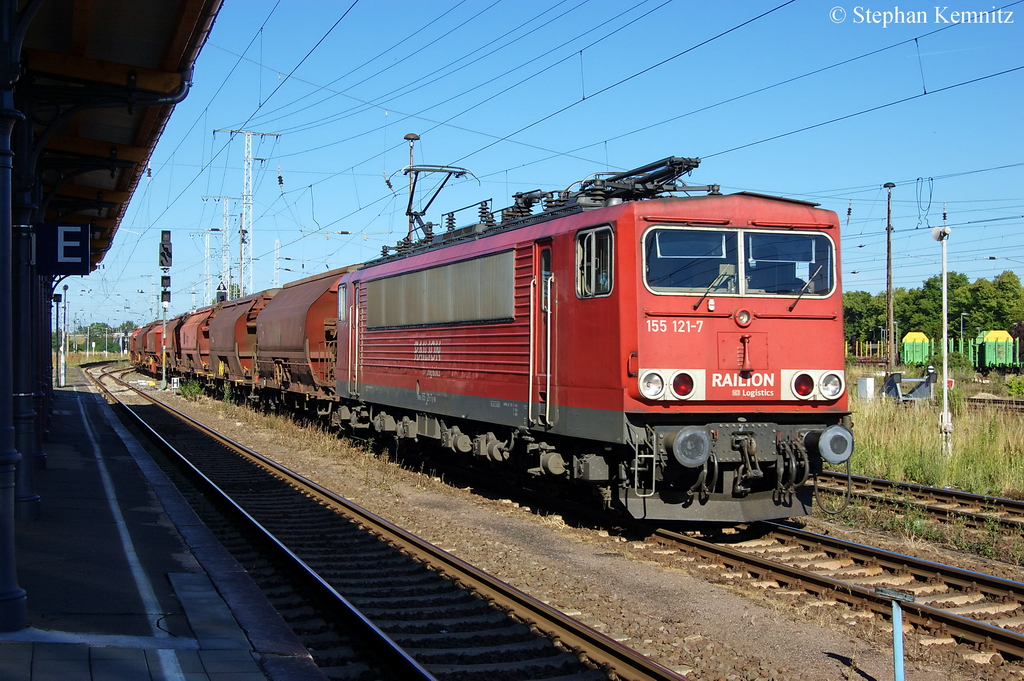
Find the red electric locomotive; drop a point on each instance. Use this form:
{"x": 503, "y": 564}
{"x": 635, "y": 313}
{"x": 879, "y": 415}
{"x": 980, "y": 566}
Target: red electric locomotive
{"x": 683, "y": 356}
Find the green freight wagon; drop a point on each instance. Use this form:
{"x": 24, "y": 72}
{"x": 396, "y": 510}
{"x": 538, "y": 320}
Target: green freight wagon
{"x": 998, "y": 350}
{"x": 917, "y": 349}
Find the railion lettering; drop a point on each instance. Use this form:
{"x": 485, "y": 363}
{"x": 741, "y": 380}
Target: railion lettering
{"x": 753, "y": 379}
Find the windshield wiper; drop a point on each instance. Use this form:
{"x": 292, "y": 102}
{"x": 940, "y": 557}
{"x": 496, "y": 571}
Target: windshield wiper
{"x": 800, "y": 293}
{"x": 706, "y": 292}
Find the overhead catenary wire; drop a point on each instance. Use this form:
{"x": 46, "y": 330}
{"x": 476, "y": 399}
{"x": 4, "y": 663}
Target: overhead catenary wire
{"x": 282, "y": 205}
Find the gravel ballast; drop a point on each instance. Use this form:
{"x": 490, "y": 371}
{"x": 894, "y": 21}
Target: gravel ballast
{"x": 682, "y": 615}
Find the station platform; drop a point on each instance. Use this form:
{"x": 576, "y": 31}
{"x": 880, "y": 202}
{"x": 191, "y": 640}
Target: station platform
{"x": 123, "y": 581}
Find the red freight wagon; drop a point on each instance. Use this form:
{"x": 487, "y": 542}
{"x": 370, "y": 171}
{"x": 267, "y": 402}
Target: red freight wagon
{"x": 174, "y": 341}
{"x": 135, "y": 346}
{"x": 296, "y": 336}
{"x": 195, "y": 342}
{"x": 150, "y": 345}
{"x": 232, "y": 336}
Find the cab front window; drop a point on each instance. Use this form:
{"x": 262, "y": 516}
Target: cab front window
{"x": 691, "y": 261}
{"x": 788, "y": 263}
{"x": 687, "y": 260}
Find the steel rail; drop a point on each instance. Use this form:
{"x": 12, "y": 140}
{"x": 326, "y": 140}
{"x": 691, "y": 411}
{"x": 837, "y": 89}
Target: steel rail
{"x": 398, "y": 659}
{"x": 602, "y": 651}
{"x": 1005, "y": 404}
{"x": 992, "y": 586}
{"x": 986, "y": 636}
{"x": 947, "y": 504}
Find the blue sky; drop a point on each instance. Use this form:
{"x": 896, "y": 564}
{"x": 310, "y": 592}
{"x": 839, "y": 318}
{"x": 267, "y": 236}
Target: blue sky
{"x": 806, "y": 99}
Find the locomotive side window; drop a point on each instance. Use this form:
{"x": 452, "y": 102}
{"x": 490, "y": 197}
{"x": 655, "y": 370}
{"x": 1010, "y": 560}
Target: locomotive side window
{"x": 342, "y": 303}
{"x": 545, "y": 280}
{"x": 692, "y": 261}
{"x": 594, "y": 263}
{"x": 788, "y": 263}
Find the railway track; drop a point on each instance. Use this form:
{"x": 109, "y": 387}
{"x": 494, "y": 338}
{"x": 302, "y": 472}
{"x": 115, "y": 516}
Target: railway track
{"x": 951, "y": 606}
{"x": 945, "y": 505}
{"x": 1006, "y": 404}
{"x": 447, "y": 618}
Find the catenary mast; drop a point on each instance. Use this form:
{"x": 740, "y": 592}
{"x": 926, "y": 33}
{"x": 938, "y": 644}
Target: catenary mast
{"x": 245, "y": 280}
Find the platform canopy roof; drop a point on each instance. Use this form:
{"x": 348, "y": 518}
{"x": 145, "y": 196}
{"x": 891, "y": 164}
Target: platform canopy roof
{"x": 99, "y": 81}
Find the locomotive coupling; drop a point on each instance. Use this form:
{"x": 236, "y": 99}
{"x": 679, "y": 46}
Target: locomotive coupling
{"x": 834, "y": 444}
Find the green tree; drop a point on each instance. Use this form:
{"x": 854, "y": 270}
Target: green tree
{"x": 863, "y": 313}
{"x": 984, "y": 306}
{"x": 920, "y": 309}
{"x": 987, "y": 304}
{"x": 1011, "y": 298}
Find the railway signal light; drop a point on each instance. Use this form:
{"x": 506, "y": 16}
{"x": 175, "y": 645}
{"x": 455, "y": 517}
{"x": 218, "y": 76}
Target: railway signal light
{"x": 165, "y": 249}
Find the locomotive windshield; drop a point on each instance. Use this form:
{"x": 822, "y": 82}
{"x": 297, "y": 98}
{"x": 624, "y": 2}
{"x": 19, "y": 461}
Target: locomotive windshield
{"x": 686, "y": 260}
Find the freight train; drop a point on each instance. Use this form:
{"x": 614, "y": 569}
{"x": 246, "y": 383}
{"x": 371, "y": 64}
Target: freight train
{"x": 680, "y": 355}
{"x": 994, "y": 350}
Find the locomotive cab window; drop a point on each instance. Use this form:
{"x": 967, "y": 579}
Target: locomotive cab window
{"x": 681, "y": 260}
{"x": 692, "y": 261}
{"x": 788, "y": 263}
{"x": 594, "y": 263}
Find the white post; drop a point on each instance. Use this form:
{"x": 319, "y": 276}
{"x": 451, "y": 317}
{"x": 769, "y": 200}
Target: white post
{"x": 941, "y": 234}
{"x": 207, "y": 282}
{"x": 163, "y": 346}
{"x": 225, "y": 249}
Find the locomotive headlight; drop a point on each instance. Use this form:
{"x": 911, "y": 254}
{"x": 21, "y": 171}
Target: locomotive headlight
{"x": 691, "y": 446}
{"x": 831, "y": 385}
{"x": 682, "y": 384}
{"x": 834, "y": 444}
{"x": 803, "y": 385}
{"x": 652, "y": 385}
{"x": 742, "y": 317}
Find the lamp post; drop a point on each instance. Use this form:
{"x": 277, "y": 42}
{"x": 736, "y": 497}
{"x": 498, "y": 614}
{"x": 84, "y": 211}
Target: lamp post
{"x": 941, "y": 234}
{"x": 64, "y": 343}
{"x": 890, "y": 363}
{"x": 59, "y": 299}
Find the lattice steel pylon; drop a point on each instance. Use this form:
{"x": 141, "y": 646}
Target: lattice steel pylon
{"x": 277, "y": 264}
{"x": 245, "y": 280}
{"x": 225, "y": 249}
{"x": 245, "y": 226}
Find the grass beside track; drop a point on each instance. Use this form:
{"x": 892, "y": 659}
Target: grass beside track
{"x": 902, "y": 442}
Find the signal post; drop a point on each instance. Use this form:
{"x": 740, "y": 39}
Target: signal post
{"x": 164, "y": 261}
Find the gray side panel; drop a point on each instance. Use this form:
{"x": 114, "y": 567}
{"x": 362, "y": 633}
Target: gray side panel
{"x": 477, "y": 290}
{"x": 589, "y": 424}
